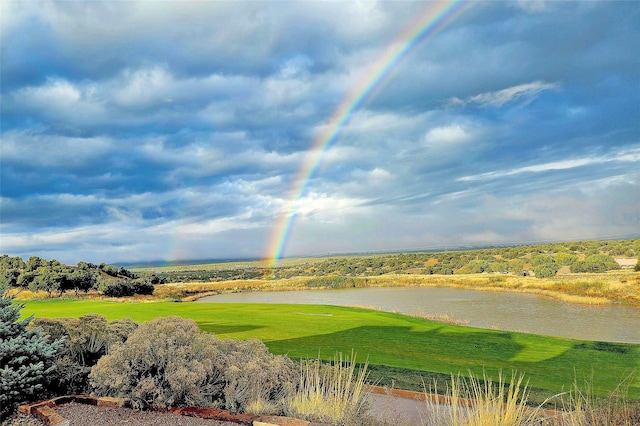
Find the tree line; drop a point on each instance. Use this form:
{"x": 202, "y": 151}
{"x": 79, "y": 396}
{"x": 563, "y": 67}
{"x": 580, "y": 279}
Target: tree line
{"x": 38, "y": 274}
{"x": 541, "y": 260}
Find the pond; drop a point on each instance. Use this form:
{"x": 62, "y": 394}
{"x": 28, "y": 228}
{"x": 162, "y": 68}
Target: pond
{"x": 485, "y": 309}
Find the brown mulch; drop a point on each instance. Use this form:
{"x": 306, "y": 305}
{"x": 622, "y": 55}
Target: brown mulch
{"x": 88, "y": 415}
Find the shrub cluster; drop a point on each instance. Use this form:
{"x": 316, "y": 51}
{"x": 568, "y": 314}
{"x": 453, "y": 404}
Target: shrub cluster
{"x": 333, "y": 281}
{"x": 84, "y": 341}
{"x": 545, "y": 266}
{"x": 595, "y": 263}
{"x": 38, "y": 274}
{"x": 122, "y": 288}
{"x": 170, "y": 362}
{"x": 163, "y": 363}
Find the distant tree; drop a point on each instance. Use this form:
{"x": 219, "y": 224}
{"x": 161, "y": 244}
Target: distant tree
{"x": 595, "y": 263}
{"x": 516, "y": 266}
{"x": 9, "y": 278}
{"x": 475, "y": 267}
{"x": 25, "y": 278}
{"x": 110, "y": 270}
{"x": 499, "y": 266}
{"x": 7, "y": 262}
{"x": 565, "y": 259}
{"x": 35, "y": 262}
{"x": 49, "y": 279}
{"x": 545, "y": 266}
{"x": 126, "y": 273}
{"x": 81, "y": 280}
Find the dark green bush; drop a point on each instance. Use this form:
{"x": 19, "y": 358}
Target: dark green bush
{"x": 595, "y": 263}
{"x": 545, "y": 266}
{"x": 124, "y": 288}
{"x": 334, "y": 281}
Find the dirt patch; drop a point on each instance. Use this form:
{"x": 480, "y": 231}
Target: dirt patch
{"x": 626, "y": 262}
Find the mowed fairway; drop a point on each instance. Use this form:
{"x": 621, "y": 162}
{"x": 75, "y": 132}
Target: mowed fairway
{"x": 396, "y": 340}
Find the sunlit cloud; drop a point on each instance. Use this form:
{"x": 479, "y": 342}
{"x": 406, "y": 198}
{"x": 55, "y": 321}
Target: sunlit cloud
{"x": 141, "y": 130}
{"x": 505, "y": 96}
{"x": 626, "y": 156}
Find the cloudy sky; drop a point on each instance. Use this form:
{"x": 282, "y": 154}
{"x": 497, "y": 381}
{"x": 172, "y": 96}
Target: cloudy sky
{"x": 137, "y": 131}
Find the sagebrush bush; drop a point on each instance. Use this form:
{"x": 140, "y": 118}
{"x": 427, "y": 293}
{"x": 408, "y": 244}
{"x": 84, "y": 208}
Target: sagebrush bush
{"x": 169, "y": 362}
{"x": 252, "y": 375}
{"x": 84, "y": 341}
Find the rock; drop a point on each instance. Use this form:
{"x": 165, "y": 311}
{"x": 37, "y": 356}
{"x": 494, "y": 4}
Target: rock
{"x": 49, "y": 416}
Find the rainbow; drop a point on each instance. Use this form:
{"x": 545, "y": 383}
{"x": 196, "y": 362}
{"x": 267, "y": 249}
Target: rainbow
{"x": 434, "y": 17}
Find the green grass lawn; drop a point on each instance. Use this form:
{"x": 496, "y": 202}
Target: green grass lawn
{"x": 395, "y": 340}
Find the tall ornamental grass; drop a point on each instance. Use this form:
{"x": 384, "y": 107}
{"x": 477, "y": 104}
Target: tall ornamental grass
{"x": 330, "y": 393}
{"x": 580, "y": 408}
{"x": 477, "y": 401}
{"x": 481, "y": 402}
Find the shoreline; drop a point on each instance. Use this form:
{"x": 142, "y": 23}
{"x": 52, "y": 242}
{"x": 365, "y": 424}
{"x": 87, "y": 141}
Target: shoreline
{"x": 608, "y": 288}
{"x": 619, "y": 287}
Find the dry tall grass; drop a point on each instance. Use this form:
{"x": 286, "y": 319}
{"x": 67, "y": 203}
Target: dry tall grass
{"x": 580, "y": 408}
{"x": 333, "y": 394}
{"x": 602, "y": 288}
{"x": 482, "y": 402}
{"x": 597, "y": 288}
{"x": 439, "y": 317}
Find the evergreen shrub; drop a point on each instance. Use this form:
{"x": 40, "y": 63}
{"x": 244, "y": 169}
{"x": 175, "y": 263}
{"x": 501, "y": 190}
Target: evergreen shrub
{"x": 26, "y": 357}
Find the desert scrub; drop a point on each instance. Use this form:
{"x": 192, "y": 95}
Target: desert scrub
{"x": 84, "y": 341}
{"x": 169, "y": 362}
{"x": 330, "y": 393}
{"x": 333, "y": 281}
{"x": 254, "y": 380}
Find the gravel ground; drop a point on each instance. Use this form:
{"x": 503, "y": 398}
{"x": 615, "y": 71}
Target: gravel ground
{"x": 387, "y": 410}
{"x": 88, "y": 415}
{"x": 18, "y": 419}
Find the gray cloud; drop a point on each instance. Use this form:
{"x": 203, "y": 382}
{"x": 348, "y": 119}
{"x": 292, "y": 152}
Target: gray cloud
{"x": 145, "y": 130}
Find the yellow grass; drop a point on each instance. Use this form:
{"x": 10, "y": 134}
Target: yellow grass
{"x": 333, "y": 394}
{"x": 580, "y": 408}
{"x": 443, "y": 318}
{"x": 621, "y": 286}
{"x": 475, "y": 402}
{"x": 595, "y": 289}
{"x": 601, "y": 288}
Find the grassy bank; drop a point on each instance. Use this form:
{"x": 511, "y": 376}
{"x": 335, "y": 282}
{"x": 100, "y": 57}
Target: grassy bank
{"x": 394, "y": 340}
{"x": 598, "y": 289}
{"x": 621, "y": 286}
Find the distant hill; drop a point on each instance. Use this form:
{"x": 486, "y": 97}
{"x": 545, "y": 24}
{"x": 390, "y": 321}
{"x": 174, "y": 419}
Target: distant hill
{"x": 541, "y": 260}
